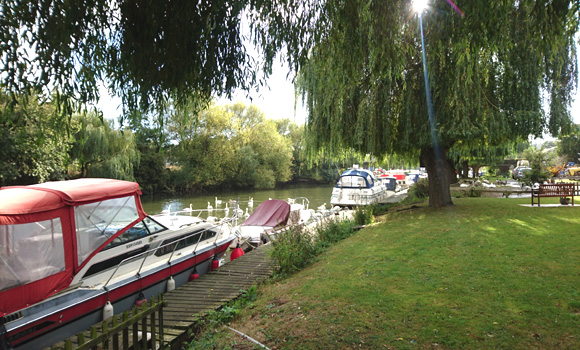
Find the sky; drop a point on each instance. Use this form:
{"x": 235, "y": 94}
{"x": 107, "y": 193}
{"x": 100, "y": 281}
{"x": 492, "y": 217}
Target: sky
{"x": 276, "y": 100}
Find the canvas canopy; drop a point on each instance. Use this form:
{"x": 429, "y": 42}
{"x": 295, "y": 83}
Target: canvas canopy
{"x": 356, "y": 178}
{"x": 271, "y": 213}
{"x": 49, "y": 231}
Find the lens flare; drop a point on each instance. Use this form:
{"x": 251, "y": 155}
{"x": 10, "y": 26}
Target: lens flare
{"x": 419, "y": 5}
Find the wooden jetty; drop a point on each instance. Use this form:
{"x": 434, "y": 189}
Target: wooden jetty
{"x": 194, "y": 300}
{"x": 184, "y": 306}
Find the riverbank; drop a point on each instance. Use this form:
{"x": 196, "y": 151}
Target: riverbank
{"x": 485, "y": 273}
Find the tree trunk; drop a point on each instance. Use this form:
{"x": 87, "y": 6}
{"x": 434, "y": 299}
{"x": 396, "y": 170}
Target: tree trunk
{"x": 476, "y": 171}
{"x": 439, "y": 194}
{"x": 465, "y": 169}
{"x": 450, "y": 172}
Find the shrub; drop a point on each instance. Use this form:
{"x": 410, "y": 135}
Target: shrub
{"x": 293, "y": 250}
{"x": 363, "y": 215}
{"x": 334, "y": 231}
{"x": 379, "y": 209}
{"x": 474, "y": 191}
{"x": 420, "y": 189}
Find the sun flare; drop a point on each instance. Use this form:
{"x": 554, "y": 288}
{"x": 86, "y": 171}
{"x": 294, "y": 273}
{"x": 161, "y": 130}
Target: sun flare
{"x": 419, "y": 5}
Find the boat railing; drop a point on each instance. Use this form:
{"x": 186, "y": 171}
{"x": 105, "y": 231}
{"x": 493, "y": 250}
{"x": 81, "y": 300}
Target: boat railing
{"x": 305, "y": 201}
{"x": 192, "y": 212}
{"x": 150, "y": 252}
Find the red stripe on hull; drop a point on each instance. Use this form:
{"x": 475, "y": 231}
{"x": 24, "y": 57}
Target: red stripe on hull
{"x": 96, "y": 303}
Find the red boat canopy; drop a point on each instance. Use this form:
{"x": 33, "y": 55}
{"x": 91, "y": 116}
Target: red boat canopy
{"x": 271, "y": 213}
{"x": 49, "y": 231}
{"x": 53, "y": 195}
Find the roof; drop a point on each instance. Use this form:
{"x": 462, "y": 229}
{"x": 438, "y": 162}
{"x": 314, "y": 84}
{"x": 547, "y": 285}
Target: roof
{"x": 356, "y": 172}
{"x": 53, "y": 195}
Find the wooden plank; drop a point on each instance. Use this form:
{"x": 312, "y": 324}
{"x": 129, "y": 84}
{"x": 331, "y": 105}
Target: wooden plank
{"x": 185, "y": 305}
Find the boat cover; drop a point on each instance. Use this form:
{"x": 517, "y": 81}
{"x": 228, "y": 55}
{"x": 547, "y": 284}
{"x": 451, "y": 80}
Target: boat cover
{"x": 271, "y": 213}
{"x": 356, "y": 178}
{"x": 49, "y": 231}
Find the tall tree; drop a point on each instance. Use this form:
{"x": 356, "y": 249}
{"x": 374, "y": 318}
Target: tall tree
{"x": 33, "y": 144}
{"x": 101, "y": 151}
{"x": 362, "y": 72}
{"x": 569, "y": 145}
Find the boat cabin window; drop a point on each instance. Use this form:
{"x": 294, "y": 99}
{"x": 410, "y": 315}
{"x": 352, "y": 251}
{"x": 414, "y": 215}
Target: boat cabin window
{"x": 142, "y": 229}
{"x": 29, "y": 252}
{"x": 351, "y": 181}
{"x": 370, "y": 180}
{"x": 97, "y": 222}
{"x": 183, "y": 241}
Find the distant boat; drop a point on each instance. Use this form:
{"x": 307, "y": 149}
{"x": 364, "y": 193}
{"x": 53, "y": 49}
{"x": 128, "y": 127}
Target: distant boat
{"x": 67, "y": 248}
{"x": 356, "y": 187}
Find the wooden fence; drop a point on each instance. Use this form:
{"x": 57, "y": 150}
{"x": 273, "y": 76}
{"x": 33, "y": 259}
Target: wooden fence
{"x": 138, "y": 329}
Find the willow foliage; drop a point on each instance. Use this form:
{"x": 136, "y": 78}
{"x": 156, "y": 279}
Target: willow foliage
{"x": 489, "y": 65}
{"x": 145, "y": 51}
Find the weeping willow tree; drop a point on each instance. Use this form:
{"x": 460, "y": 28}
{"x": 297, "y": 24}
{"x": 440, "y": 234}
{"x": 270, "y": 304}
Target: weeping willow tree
{"x": 490, "y": 65}
{"x": 361, "y": 64}
{"x": 147, "y": 52}
{"x": 101, "y": 151}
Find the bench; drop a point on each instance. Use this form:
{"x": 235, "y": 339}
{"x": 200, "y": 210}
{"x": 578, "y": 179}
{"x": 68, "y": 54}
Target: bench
{"x": 562, "y": 190}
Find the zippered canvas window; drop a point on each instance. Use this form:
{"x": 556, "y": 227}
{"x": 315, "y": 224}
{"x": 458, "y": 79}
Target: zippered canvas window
{"x": 30, "y": 252}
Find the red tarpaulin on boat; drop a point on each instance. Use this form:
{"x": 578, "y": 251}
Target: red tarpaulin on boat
{"x": 51, "y": 203}
{"x": 53, "y": 195}
{"x": 271, "y": 213}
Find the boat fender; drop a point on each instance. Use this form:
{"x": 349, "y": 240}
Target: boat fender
{"x": 108, "y": 310}
{"x": 215, "y": 263}
{"x": 237, "y": 252}
{"x": 194, "y": 275}
{"x": 140, "y": 299}
{"x": 170, "y": 284}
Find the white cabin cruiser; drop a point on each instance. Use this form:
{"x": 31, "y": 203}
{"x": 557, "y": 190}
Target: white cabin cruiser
{"x": 69, "y": 247}
{"x": 357, "y": 187}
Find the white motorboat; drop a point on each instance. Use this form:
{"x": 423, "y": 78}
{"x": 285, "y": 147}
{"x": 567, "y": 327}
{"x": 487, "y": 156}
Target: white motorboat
{"x": 68, "y": 248}
{"x": 356, "y": 187}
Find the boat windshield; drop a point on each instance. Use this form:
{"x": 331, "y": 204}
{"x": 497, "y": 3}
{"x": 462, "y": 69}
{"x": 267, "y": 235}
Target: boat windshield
{"x": 99, "y": 221}
{"x": 30, "y": 251}
{"x": 141, "y": 229}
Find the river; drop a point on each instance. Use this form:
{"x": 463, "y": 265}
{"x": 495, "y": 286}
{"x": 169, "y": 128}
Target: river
{"x": 317, "y": 195}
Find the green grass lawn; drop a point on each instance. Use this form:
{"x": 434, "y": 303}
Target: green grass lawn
{"x": 486, "y": 273}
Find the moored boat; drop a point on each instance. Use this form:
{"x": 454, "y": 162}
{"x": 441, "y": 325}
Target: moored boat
{"x": 356, "y": 187}
{"x": 68, "y": 248}
{"x": 271, "y": 218}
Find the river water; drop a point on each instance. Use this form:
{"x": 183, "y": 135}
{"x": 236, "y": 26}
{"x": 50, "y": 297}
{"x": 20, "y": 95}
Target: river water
{"x": 317, "y": 195}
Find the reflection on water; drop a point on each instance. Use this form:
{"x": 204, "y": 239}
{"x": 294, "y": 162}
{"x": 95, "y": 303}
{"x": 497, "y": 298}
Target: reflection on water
{"x": 316, "y": 194}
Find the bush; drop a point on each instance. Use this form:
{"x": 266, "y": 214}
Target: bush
{"x": 363, "y": 215}
{"x": 293, "y": 250}
{"x": 420, "y": 189}
{"x": 474, "y": 191}
{"x": 334, "y": 231}
{"x": 379, "y": 209}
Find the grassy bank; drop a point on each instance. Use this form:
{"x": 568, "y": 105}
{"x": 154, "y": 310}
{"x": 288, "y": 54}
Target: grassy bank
{"x": 486, "y": 273}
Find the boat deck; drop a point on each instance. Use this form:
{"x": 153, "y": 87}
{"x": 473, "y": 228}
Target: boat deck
{"x": 192, "y": 301}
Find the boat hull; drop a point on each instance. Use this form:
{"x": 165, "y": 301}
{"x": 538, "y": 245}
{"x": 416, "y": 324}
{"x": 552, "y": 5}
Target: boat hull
{"x": 59, "y": 323}
{"x": 352, "y": 197}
